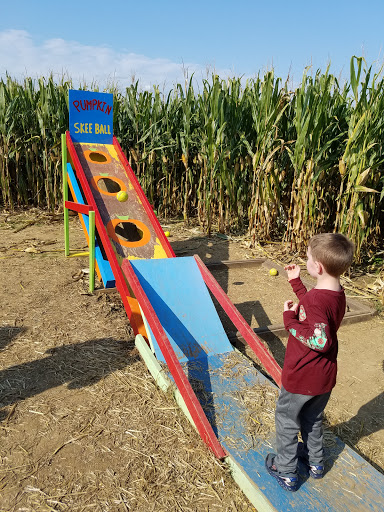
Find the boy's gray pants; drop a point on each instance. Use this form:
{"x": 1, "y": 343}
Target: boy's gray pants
{"x": 295, "y": 413}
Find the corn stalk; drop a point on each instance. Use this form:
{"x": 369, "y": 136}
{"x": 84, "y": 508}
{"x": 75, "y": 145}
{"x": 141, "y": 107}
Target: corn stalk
{"x": 266, "y": 102}
{"x": 361, "y": 165}
{"x": 317, "y": 106}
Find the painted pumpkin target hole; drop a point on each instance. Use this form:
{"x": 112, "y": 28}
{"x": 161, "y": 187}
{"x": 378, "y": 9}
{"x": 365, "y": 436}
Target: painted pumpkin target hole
{"x": 97, "y": 157}
{"x": 108, "y": 185}
{"x": 129, "y": 232}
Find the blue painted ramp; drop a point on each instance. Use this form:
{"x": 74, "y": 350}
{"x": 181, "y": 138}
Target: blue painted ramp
{"x": 180, "y": 298}
{"x": 219, "y": 377}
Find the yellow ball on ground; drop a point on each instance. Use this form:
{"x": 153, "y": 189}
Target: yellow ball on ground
{"x": 167, "y": 233}
{"x": 122, "y": 196}
{"x": 273, "y": 272}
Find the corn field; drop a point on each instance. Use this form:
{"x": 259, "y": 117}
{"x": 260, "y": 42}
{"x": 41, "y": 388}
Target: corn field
{"x": 282, "y": 164}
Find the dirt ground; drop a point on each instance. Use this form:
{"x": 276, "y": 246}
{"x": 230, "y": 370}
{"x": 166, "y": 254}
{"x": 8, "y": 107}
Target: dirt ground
{"x": 84, "y": 426}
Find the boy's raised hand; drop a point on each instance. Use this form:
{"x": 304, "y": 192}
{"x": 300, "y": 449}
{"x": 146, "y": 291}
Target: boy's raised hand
{"x": 292, "y": 270}
{"x": 289, "y": 305}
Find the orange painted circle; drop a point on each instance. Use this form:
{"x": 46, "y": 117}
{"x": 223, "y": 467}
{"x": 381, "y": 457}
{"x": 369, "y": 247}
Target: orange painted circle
{"x": 88, "y": 154}
{"x": 111, "y": 226}
{"x": 95, "y": 179}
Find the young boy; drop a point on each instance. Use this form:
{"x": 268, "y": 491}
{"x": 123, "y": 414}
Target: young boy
{"x": 310, "y": 364}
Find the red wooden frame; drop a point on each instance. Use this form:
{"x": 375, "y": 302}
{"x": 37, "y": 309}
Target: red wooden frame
{"x": 143, "y": 198}
{"x": 121, "y": 285}
{"x": 203, "y": 426}
{"x": 237, "y": 319}
{"x": 78, "y": 207}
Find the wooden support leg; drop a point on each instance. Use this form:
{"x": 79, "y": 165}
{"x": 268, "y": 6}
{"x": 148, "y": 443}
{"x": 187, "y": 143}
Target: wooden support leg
{"x": 65, "y": 193}
{"x": 91, "y": 251}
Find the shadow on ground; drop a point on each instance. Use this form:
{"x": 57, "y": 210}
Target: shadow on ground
{"x": 77, "y": 365}
{"x": 8, "y": 334}
{"x": 368, "y": 420}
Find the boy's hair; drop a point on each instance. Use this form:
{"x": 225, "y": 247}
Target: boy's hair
{"x": 333, "y": 250}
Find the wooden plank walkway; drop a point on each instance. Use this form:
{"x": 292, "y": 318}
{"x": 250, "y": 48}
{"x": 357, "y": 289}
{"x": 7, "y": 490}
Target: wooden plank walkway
{"x": 350, "y": 484}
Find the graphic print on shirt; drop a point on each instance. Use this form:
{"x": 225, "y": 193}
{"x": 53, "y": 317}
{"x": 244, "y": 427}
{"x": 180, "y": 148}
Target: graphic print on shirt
{"x": 302, "y": 314}
{"x": 317, "y": 341}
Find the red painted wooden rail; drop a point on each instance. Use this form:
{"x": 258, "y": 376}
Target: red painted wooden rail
{"x": 237, "y": 319}
{"x": 203, "y": 426}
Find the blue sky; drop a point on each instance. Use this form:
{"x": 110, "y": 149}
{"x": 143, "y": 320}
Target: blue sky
{"x": 154, "y": 40}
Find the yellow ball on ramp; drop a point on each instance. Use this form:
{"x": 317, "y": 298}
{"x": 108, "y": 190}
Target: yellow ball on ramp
{"x": 167, "y": 233}
{"x": 273, "y": 272}
{"x": 122, "y": 196}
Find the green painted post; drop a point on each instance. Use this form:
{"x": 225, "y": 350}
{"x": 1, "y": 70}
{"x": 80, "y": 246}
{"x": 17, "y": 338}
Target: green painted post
{"x": 65, "y": 193}
{"x": 91, "y": 251}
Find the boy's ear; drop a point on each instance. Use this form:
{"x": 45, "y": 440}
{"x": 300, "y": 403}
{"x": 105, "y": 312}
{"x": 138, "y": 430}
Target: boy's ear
{"x": 319, "y": 268}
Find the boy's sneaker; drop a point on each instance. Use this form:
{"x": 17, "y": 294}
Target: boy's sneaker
{"x": 288, "y": 483}
{"x": 314, "y": 471}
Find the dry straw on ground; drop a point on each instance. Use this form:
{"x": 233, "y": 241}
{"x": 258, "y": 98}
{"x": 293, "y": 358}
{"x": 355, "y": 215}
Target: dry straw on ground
{"x": 83, "y": 425}
{"x": 109, "y": 440}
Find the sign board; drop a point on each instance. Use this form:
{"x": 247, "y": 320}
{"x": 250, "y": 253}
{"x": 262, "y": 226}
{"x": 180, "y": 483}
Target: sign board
{"x": 91, "y": 116}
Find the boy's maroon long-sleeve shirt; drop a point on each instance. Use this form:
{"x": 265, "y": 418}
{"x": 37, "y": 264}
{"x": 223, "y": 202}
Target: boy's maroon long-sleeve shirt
{"x": 310, "y": 364}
